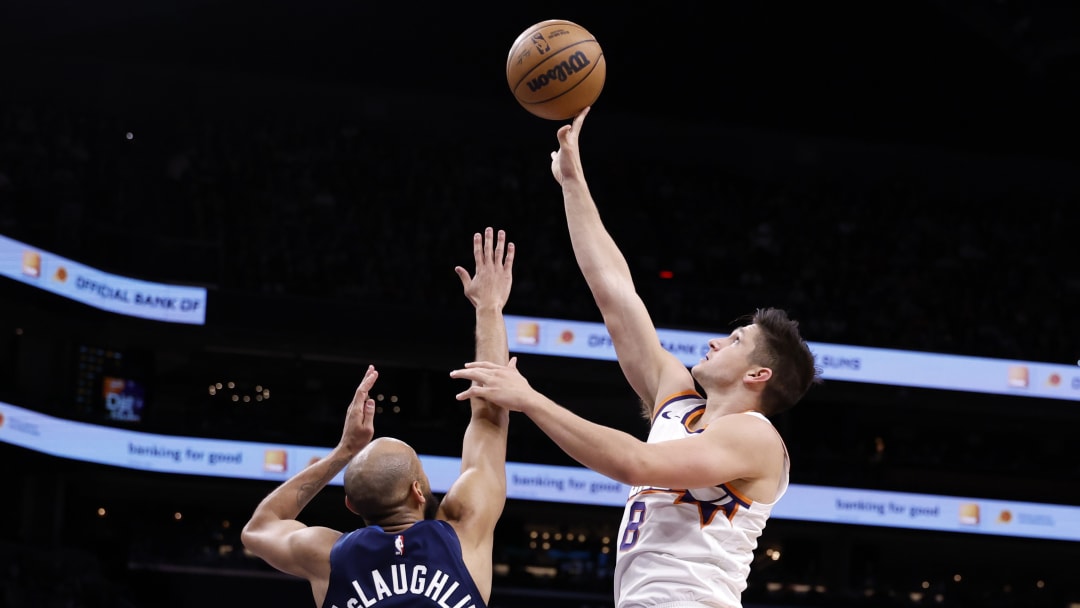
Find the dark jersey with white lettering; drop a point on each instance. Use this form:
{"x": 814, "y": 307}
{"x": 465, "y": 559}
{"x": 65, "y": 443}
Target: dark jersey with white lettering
{"x": 420, "y": 566}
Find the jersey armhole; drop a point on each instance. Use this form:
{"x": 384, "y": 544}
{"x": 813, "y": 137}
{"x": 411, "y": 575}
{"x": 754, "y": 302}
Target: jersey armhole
{"x": 679, "y": 396}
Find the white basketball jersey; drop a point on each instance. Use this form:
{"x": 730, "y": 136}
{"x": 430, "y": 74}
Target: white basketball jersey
{"x": 682, "y": 547}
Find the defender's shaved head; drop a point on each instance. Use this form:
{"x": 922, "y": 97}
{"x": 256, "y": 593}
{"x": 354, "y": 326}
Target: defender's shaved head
{"x": 379, "y": 479}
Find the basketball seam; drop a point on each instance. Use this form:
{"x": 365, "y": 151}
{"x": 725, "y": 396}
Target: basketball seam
{"x": 546, "y": 59}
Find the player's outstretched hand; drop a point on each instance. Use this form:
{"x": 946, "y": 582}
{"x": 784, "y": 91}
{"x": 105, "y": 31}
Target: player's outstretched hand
{"x": 566, "y": 161}
{"x": 360, "y": 417}
{"x": 502, "y": 385}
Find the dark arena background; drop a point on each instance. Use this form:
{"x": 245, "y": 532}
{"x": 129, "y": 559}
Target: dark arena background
{"x": 901, "y": 176}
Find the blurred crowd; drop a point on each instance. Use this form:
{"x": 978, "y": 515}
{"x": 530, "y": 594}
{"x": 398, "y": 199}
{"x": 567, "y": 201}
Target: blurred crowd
{"x": 296, "y": 202}
{"x": 291, "y": 202}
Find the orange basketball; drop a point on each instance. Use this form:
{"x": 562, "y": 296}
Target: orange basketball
{"x": 555, "y": 69}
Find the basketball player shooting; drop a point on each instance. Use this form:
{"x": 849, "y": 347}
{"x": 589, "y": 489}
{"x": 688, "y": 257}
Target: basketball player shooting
{"x": 713, "y": 467}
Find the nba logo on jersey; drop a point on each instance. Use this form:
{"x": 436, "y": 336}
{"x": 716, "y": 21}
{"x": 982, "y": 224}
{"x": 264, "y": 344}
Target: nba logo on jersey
{"x": 399, "y": 545}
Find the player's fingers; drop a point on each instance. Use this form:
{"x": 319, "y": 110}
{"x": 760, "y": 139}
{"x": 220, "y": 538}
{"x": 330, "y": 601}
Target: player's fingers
{"x": 500, "y": 246}
{"x": 489, "y": 244}
{"x": 464, "y": 374}
{"x": 481, "y": 365}
{"x": 579, "y": 120}
{"x": 463, "y": 275}
{"x": 508, "y": 263}
{"x": 478, "y": 248}
{"x": 365, "y": 385}
{"x": 564, "y": 132}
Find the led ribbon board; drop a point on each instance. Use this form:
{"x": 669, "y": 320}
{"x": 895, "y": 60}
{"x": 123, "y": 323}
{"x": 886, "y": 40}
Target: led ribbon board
{"x": 573, "y": 485}
{"x": 577, "y": 339}
{"x": 114, "y": 293}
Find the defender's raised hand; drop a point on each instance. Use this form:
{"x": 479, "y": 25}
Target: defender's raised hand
{"x": 360, "y": 418}
{"x": 494, "y": 257}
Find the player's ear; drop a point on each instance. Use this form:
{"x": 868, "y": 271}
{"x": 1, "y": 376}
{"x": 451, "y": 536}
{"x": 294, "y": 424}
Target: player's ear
{"x": 349, "y": 506}
{"x": 759, "y": 374}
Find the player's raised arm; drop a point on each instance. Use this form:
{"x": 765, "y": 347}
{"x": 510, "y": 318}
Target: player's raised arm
{"x": 273, "y": 532}
{"x": 476, "y": 500}
{"x": 652, "y": 371}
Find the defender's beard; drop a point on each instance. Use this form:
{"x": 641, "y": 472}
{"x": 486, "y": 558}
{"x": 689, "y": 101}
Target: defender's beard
{"x": 431, "y": 506}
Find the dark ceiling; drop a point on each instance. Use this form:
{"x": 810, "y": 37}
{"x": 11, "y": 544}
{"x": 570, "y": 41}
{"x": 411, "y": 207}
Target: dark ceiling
{"x": 981, "y": 74}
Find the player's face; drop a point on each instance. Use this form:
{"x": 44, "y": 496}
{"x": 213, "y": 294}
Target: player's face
{"x": 727, "y": 358}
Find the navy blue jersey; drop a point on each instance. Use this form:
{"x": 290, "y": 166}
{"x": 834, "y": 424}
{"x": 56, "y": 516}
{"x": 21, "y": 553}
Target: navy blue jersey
{"x": 421, "y": 566}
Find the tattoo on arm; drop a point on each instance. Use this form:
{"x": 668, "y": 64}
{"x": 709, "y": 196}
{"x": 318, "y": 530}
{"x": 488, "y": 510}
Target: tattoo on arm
{"x": 308, "y": 490}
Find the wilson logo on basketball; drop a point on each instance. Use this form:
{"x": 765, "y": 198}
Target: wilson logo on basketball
{"x": 574, "y": 64}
